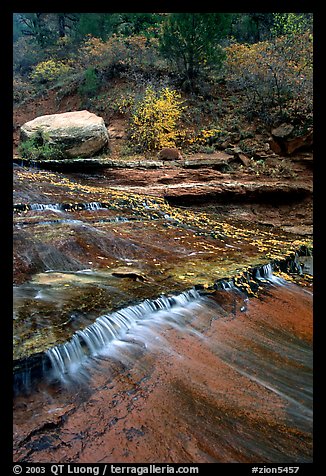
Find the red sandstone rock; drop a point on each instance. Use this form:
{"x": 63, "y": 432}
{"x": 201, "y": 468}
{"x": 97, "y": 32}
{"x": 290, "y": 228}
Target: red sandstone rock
{"x": 291, "y": 145}
{"x": 169, "y": 153}
{"x": 205, "y": 400}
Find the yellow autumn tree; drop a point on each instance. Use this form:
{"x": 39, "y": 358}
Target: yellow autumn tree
{"x": 50, "y": 70}
{"x": 155, "y": 119}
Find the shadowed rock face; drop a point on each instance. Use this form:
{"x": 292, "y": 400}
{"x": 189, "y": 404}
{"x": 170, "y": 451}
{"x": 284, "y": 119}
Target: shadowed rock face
{"x": 76, "y": 134}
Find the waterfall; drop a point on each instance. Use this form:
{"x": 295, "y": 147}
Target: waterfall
{"x": 93, "y": 206}
{"x": 50, "y": 206}
{"x": 60, "y": 206}
{"x": 227, "y": 284}
{"x": 265, "y": 273}
{"x": 66, "y": 359}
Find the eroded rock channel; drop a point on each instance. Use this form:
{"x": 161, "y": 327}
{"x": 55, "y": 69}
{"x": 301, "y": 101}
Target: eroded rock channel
{"x": 137, "y": 321}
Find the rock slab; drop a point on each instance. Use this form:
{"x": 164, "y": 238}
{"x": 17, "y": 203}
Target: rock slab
{"x": 76, "y": 133}
{"x": 283, "y": 141}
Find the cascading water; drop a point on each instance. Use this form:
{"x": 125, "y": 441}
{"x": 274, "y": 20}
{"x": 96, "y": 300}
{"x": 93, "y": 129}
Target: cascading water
{"x": 61, "y": 207}
{"x": 210, "y": 378}
{"x": 43, "y": 206}
{"x": 265, "y": 273}
{"x": 67, "y": 359}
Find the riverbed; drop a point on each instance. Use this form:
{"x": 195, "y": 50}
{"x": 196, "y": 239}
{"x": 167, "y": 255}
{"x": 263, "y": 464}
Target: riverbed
{"x": 136, "y": 322}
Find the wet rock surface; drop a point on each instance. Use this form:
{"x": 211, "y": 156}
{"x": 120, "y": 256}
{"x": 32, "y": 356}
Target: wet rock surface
{"x": 227, "y": 385}
{"x": 66, "y": 253}
{"x": 225, "y": 376}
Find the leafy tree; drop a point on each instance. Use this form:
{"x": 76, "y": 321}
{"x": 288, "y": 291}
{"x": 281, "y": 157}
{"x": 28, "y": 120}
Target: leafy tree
{"x": 155, "y": 119}
{"x": 251, "y": 27}
{"x": 98, "y": 25}
{"x": 190, "y": 41}
{"x": 44, "y": 28}
{"x": 275, "y": 76}
{"x": 137, "y": 23}
{"x": 291, "y": 24}
{"x": 66, "y": 23}
{"x": 35, "y": 26}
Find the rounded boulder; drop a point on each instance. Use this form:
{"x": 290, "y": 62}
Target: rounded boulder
{"x": 75, "y": 134}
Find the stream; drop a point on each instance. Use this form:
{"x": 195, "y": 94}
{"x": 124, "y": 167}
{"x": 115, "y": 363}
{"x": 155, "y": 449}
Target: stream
{"x": 137, "y": 322}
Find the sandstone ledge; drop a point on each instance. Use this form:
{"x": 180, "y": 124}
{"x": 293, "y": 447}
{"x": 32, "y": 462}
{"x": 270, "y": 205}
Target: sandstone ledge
{"x": 218, "y": 162}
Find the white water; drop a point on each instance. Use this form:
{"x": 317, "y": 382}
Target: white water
{"x": 67, "y": 359}
{"x": 60, "y": 206}
{"x": 51, "y": 206}
{"x": 265, "y": 273}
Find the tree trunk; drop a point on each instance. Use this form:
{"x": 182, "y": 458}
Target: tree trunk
{"x": 62, "y": 25}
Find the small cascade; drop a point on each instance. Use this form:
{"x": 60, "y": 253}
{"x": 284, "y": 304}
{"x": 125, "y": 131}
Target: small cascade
{"x": 296, "y": 264}
{"x": 224, "y": 284}
{"x": 60, "y": 206}
{"x": 93, "y": 206}
{"x": 67, "y": 359}
{"x": 265, "y": 273}
{"x": 262, "y": 273}
{"x": 45, "y": 206}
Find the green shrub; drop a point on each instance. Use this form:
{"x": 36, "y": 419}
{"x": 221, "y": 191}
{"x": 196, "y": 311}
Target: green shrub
{"x": 91, "y": 83}
{"x": 37, "y": 147}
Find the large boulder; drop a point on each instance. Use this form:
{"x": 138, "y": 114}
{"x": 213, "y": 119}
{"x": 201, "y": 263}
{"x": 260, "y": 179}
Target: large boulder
{"x": 283, "y": 140}
{"x": 300, "y": 142}
{"x": 75, "y": 134}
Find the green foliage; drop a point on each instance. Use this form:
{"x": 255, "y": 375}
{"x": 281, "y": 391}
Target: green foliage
{"x": 44, "y": 28}
{"x": 190, "y": 41}
{"x": 38, "y": 147}
{"x": 26, "y": 57}
{"x": 269, "y": 61}
{"x": 139, "y": 23}
{"x": 91, "y": 83}
{"x": 155, "y": 118}
{"x": 251, "y": 27}
{"x": 292, "y": 24}
{"x": 99, "y": 25}
{"x": 36, "y": 26}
